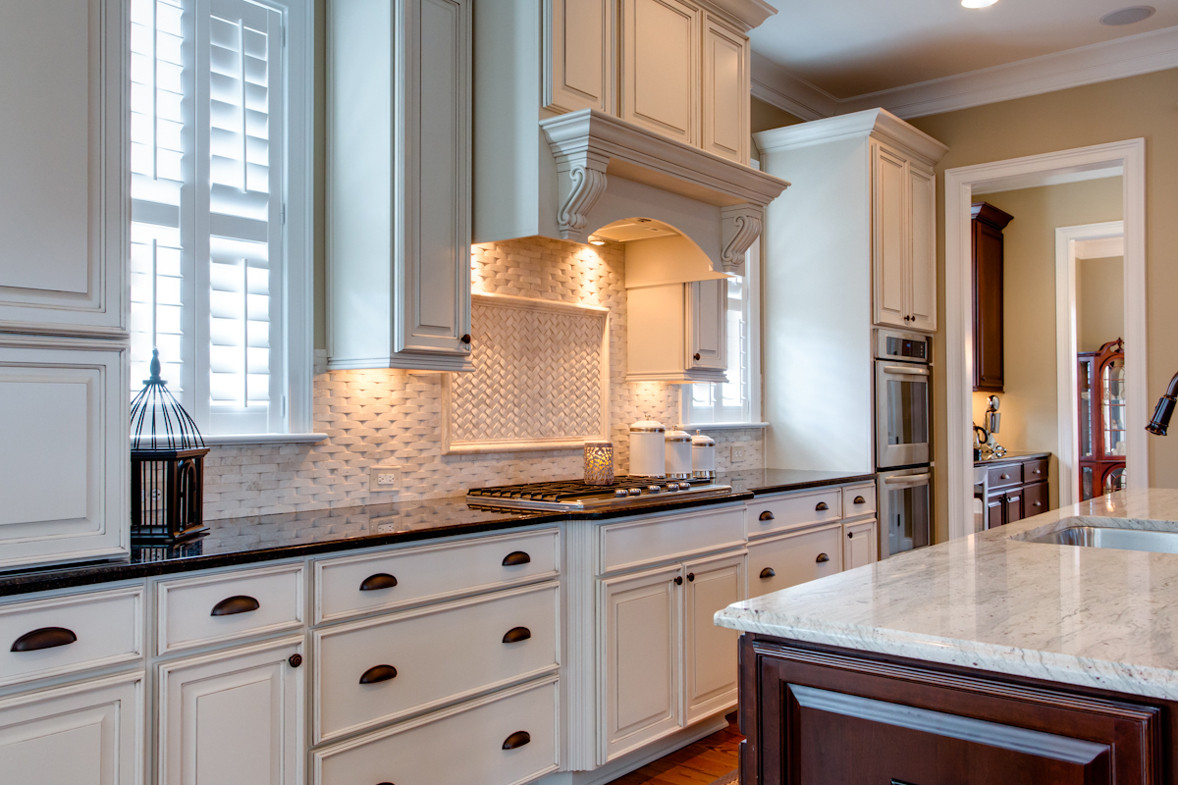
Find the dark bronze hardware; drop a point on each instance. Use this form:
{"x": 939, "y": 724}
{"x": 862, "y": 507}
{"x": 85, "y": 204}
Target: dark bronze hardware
{"x": 516, "y": 558}
{"x": 44, "y": 638}
{"x": 900, "y": 782}
{"x": 382, "y": 580}
{"x": 378, "y": 673}
{"x": 859, "y": 500}
{"x": 385, "y": 783}
{"x": 517, "y": 739}
{"x": 678, "y": 580}
{"x": 465, "y": 339}
{"x": 1004, "y": 476}
{"x": 517, "y": 634}
{"x": 765, "y": 516}
{"x": 239, "y": 603}
{"x": 821, "y": 507}
{"x": 768, "y": 573}
{"x": 695, "y": 356}
{"x": 850, "y": 535}
{"x": 691, "y": 576}
{"x": 295, "y": 660}
{"x": 822, "y": 557}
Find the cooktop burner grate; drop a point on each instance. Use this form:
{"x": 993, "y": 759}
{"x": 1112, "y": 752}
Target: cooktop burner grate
{"x": 574, "y": 494}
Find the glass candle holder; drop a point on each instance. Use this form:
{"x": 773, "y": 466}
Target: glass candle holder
{"x": 599, "y": 463}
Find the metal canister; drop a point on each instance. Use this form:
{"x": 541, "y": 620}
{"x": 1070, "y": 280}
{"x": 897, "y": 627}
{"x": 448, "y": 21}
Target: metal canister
{"x": 703, "y": 457}
{"x": 678, "y": 455}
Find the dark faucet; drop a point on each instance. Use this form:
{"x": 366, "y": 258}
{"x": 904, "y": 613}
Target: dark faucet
{"x": 1165, "y": 408}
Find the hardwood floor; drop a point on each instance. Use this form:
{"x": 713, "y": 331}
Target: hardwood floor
{"x": 701, "y": 763}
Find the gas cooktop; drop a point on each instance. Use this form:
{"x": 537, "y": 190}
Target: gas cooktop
{"x": 576, "y": 495}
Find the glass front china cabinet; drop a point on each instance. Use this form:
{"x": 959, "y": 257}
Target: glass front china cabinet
{"x": 1101, "y": 382}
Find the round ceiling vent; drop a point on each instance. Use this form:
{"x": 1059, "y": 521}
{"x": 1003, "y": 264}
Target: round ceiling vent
{"x": 1128, "y": 16}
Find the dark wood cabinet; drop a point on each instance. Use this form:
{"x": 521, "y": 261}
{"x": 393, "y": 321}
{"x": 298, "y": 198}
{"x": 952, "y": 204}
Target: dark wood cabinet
{"x": 1016, "y": 488}
{"x": 986, "y": 227}
{"x": 1100, "y": 379}
{"x": 818, "y": 716}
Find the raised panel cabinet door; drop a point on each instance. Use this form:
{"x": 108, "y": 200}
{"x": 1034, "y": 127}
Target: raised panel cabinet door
{"x": 88, "y": 733}
{"x": 579, "y": 55}
{"x": 233, "y": 718}
{"x": 660, "y": 67}
{"x": 922, "y": 189}
{"x": 65, "y": 462}
{"x": 989, "y": 362}
{"x": 62, "y": 189}
{"x": 889, "y": 237}
{"x": 725, "y": 109}
{"x": 641, "y": 642}
{"x": 709, "y": 652}
{"x": 707, "y": 325}
{"x": 860, "y": 544}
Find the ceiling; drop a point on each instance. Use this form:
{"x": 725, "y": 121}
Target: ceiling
{"x": 849, "y": 48}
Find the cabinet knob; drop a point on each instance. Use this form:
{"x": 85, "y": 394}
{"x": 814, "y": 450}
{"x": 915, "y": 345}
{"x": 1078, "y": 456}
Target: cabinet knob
{"x": 381, "y": 580}
{"x": 678, "y": 580}
{"x": 295, "y": 660}
{"x": 768, "y": 573}
{"x": 691, "y": 577}
{"x": 765, "y": 516}
{"x": 821, "y": 507}
{"x": 695, "y": 356}
{"x": 850, "y": 535}
{"x": 1004, "y": 476}
{"x": 517, "y": 739}
{"x": 859, "y": 500}
{"x": 822, "y": 557}
{"x": 517, "y": 634}
{"x": 516, "y": 558}
{"x": 44, "y": 638}
{"x": 241, "y": 603}
{"x": 377, "y": 674}
{"x": 1037, "y": 504}
{"x": 465, "y": 339}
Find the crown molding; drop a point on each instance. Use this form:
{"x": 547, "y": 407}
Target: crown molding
{"x": 877, "y": 123}
{"x": 1130, "y": 56}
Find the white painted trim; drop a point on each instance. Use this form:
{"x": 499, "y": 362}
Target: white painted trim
{"x": 1069, "y": 240}
{"x": 1101, "y": 247}
{"x": 1129, "y": 155}
{"x": 1144, "y": 53}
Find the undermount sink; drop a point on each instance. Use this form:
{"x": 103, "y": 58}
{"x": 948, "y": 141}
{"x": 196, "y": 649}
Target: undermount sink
{"x": 1110, "y": 533}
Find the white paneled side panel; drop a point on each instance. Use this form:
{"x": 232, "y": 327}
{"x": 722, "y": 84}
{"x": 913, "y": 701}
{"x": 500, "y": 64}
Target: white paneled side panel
{"x": 63, "y": 413}
{"x": 579, "y": 55}
{"x": 61, "y": 183}
{"x": 725, "y": 111}
{"x": 88, "y": 733}
{"x": 660, "y": 67}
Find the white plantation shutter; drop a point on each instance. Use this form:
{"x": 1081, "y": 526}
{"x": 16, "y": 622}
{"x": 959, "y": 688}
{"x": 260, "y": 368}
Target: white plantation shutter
{"x": 207, "y": 187}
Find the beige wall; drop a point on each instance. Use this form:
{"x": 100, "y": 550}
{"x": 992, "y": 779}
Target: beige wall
{"x": 1100, "y": 301}
{"x": 1142, "y": 106}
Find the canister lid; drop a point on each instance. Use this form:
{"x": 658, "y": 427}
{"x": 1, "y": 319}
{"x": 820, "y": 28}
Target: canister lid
{"x": 647, "y": 426}
{"x": 678, "y": 436}
{"x": 701, "y": 440}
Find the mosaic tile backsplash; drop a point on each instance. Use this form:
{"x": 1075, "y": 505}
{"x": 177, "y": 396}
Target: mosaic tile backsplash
{"x": 392, "y": 417}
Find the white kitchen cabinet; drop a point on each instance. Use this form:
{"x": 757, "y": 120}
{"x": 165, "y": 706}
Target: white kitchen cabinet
{"x": 580, "y": 57}
{"x": 658, "y": 349}
{"x": 724, "y": 110}
{"x": 860, "y": 543}
{"x": 399, "y": 140}
{"x": 65, "y": 460}
{"x": 233, "y": 717}
{"x": 709, "y": 652}
{"x": 62, "y": 187}
{"x": 779, "y": 562}
{"x": 661, "y": 43}
{"x": 90, "y": 732}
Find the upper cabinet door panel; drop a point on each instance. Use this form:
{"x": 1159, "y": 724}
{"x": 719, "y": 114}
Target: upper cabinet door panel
{"x": 725, "y": 92}
{"x": 579, "y": 55}
{"x": 923, "y": 189}
{"x": 889, "y": 237}
{"x": 660, "y": 67}
{"x": 707, "y": 307}
{"x": 61, "y": 184}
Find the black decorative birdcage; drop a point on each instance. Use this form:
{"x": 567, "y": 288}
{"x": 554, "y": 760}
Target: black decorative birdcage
{"x": 167, "y": 466}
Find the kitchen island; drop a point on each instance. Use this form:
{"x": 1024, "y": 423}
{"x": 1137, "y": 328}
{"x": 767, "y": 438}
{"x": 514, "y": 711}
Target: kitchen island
{"x": 989, "y": 658}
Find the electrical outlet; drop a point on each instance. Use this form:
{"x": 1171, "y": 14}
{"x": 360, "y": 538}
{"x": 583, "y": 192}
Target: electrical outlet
{"x": 740, "y": 453}
{"x": 383, "y": 478}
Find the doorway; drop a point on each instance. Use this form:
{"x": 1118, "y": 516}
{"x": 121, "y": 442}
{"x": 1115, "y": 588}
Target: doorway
{"x": 1126, "y": 159}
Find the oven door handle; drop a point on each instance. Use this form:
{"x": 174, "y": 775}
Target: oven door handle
{"x": 906, "y": 370}
{"x": 908, "y": 479}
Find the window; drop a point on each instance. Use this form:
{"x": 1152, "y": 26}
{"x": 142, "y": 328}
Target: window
{"x": 738, "y": 400}
{"x": 220, "y": 209}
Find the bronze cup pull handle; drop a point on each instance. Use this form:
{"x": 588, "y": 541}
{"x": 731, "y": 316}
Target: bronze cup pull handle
{"x": 517, "y": 739}
{"x": 44, "y": 638}
{"x": 381, "y": 580}
{"x": 768, "y": 573}
{"x": 516, "y": 558}
{"x": 822, "y": 557}
{"x": 859, "y": 500}
{"x": 378, "y": 673}
{"x": 821, "y": 506}
{"x": 517, "y": 634}
{"x": 765, "y": 516}
{"x": 239, "y": 603}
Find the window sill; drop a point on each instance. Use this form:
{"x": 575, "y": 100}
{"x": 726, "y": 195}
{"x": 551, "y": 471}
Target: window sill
{"x": 722, "y": 426}
{"x": 233, "y": 440}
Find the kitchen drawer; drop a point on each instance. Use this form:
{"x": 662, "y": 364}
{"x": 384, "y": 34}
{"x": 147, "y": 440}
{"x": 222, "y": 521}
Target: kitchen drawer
{"x": 500, "y": 740}
{"x": 425, "y": 658}
{"x": 859, "y": 500}
{"x": 781, "y": 562}
{"x": 68, "y": 634}
{"x": 1035, "y": 471}
{"x": 227, "y": 606}
{"x": 773, "y": 514}
{"x": 1004, "y": 476}
{"x": 391, "y": 579}
{"x": 1035, "y": 499}
{"x": 652, "y": 540}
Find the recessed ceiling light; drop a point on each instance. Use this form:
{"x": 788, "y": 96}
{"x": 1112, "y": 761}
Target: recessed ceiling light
{"x": 595, "y": 240}
{"x": 977, "y": 3}
{"x": 1128, "y": 16}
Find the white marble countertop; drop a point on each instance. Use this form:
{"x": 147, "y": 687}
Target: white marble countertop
{"x": 1093, "y": 617}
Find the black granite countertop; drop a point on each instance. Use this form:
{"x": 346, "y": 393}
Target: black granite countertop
{"x": 1013, "y": 457}
{"x": 261, "y": 538}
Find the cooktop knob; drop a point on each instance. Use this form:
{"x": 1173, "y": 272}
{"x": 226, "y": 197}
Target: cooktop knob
{"x": 634, "y": 491}
{"x": 621, "y": 492}
{"x": 653, "y": 488}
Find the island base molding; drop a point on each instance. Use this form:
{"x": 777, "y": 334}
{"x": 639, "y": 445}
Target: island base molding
{"x": 815, "y": 715}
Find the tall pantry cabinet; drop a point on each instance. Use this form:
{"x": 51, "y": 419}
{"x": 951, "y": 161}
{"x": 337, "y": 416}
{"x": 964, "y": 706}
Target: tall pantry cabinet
{"x": 850, "y": 246}
{"x": 63, "y": 282}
